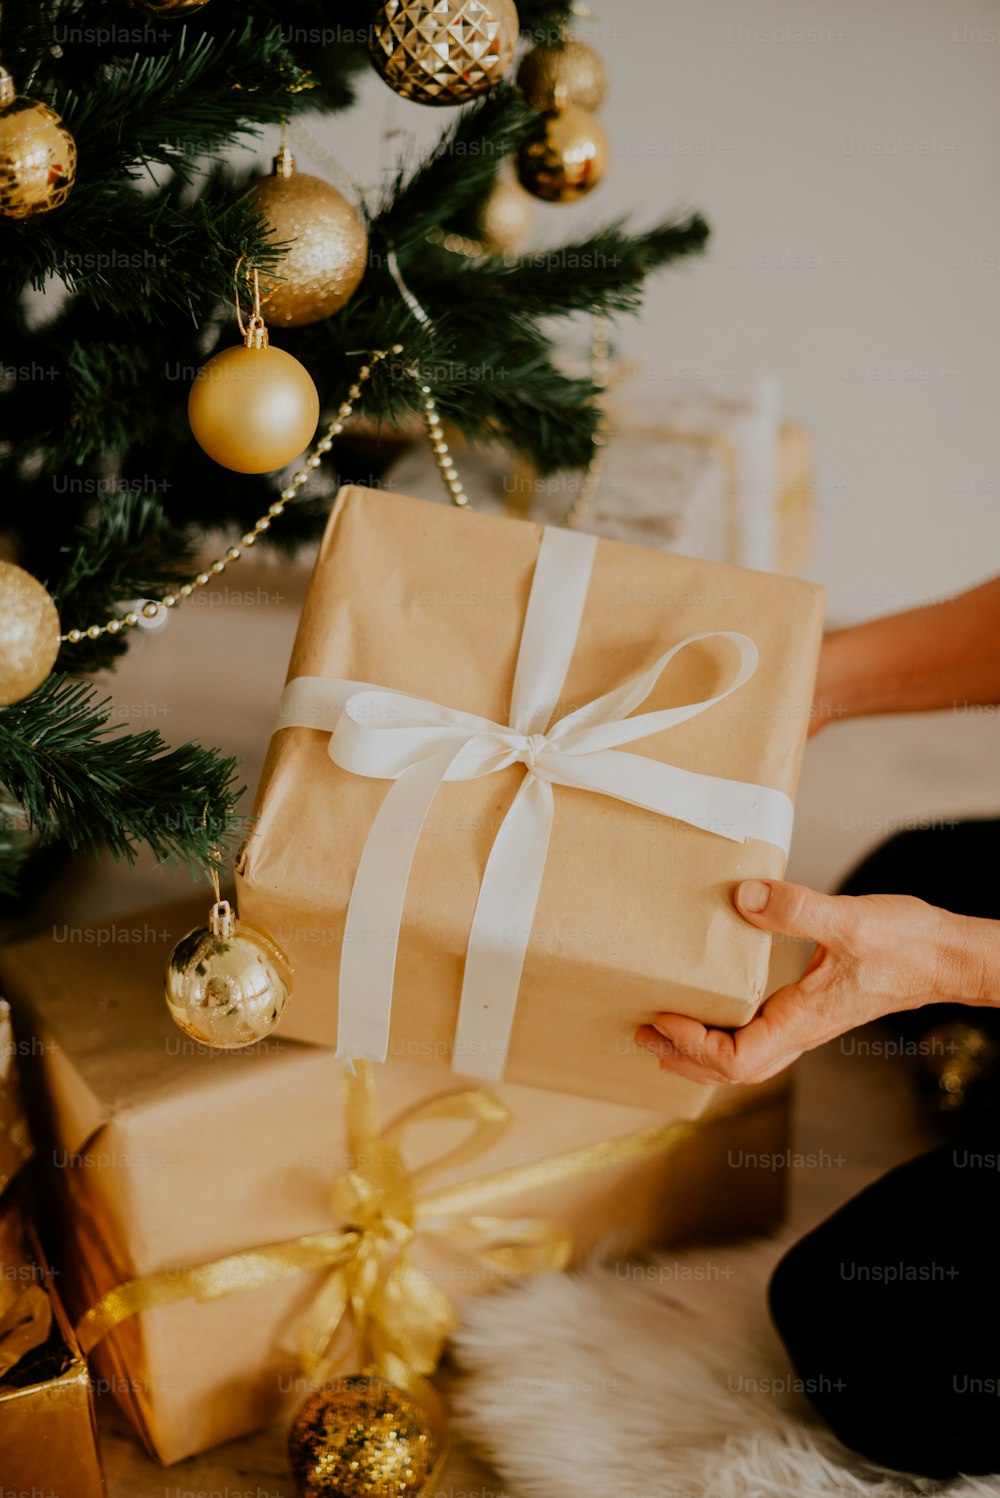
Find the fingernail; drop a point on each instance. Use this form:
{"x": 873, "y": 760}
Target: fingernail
{"x": 753, "y": 895}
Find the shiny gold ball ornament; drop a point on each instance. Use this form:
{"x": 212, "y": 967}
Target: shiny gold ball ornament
{"x": 552, "y": 76}
{"x": 505, "y": 218}
{"x": 37, "y": 154}
{"x": 253, "y": 408}
{"x": 329, "y": 245}
{"x": 361, "y": 1437}
{"x": 29, "y": 634}
{"x": 443, "y": 51}
{"x": 565, "y": 156}
{"x": 227, "y": 983}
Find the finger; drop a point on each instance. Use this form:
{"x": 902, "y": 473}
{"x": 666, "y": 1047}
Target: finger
{"x": 677, "y": 1058}
{"x": 795, "y": 910}
{"x": 785, "y": 1027}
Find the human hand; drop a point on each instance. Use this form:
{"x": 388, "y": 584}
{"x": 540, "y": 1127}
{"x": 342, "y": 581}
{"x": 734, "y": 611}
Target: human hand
{"x": 875, "y": 954}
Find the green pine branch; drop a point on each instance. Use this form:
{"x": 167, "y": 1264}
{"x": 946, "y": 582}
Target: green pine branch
{"x": 79, "y": 776}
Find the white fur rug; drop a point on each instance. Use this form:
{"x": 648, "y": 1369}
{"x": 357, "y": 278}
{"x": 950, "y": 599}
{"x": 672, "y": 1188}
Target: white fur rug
{"x": 655, "y": 1380}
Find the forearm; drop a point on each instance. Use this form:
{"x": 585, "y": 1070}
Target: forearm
{"x": 946, "y": 655}
{"x": 969, "y": 970}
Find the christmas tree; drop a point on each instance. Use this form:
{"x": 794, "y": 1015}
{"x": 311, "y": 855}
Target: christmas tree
{"x": 120, "y": 268}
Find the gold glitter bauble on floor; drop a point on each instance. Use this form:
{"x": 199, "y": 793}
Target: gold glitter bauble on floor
{"x": 506, "y": 217}
{"x": 329, "y": 245}
{"x": 443, "y": 51}
{"x": 227, "y": 983}
{"x": 361, "y": 1437}
{"x": 554, "y": 76}
{"x": 168, "y": 10}
{"x": 565, "y": 157}
{"x": 29, "y": 634}
{"x": 37, "y": 154}
{"x": 253, "y": 409}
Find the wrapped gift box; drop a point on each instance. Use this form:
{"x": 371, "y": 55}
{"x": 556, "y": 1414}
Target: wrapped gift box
{"x": 635, "y": 912}
{"x": 162, "y": 1155}
{"x": 48, "y": 1437}
{"x": 687, "y": 467}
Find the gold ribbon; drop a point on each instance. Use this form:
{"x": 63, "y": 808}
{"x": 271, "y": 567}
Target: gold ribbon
{"x": 399, "y": 1317}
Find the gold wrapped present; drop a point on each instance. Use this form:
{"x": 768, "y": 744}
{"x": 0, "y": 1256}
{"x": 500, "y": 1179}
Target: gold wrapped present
{"x": 474, "y": 847}
{"x": 220, "y": 1208}
{"x": 48, "y": 1438}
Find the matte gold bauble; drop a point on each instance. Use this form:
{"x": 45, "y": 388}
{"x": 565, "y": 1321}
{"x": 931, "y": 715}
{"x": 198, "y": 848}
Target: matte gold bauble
{"x": 443, "y": 51}
{"x": 505, "y": 218}
{"x": 361, "y": 1437}
{"x": 329, "y": 245}
{"x": 554, "y": 76}
{"x": 253, "y": 409}
{"x": 227, "y": 983}
{"x": 37, "y": 154}
{"x": 29, "y": 634}
{"x": 565, "y": 157}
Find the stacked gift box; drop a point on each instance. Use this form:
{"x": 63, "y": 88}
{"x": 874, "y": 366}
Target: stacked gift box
{"x": 211, "y": 1205}
{"x": 691, "y": 466}
{"x": 48, "y": 1438}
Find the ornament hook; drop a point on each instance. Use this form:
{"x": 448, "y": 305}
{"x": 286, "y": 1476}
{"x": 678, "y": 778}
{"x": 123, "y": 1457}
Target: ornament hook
{"x": 254, "y": 334}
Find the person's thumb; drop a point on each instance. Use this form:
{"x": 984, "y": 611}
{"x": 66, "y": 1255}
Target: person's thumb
{"x": 792, "y": 909}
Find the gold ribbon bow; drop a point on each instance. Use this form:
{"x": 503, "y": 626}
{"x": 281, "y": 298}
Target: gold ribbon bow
{"x": 399, "y": 1318}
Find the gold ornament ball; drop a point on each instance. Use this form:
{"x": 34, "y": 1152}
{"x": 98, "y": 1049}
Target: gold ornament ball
{"x": 253, "y": 409}
{"x": 168, "y": 10}
{"x": 552, "y": 77}
{"x": 565, "y": 157}
{"x": 506, "y": 217}
{"x": 227, "y": 984}
{"x": 29, "y": 633}
{"x": 37, "y": 155}
{"x": 443, "y": 51}
{"x": 329, "y": 247}
{"x": 361, "y": 1437}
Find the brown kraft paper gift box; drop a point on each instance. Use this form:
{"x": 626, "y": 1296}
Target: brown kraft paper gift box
{"x": 635, "y": 913}
{"x": 161, "y": 1155}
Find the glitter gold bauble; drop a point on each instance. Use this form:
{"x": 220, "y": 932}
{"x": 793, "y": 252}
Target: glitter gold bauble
{"x": 329, "y": 245}
{"x": 554, "y": 76}
{"x": 29, "y": 633}
{"x": 505, "y": 218}
{"x": 443, "y": 51}
{"x": 253, "y": 409}
{"x": 168, "y": 10}
{"x": 361, "y": 1437}
{"x": 37, "y": 154}
{"x": 227, "y": 983}
{"x": 565, "y": 157}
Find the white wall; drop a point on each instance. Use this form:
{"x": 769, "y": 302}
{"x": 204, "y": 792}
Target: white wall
{"x": 848, "y": 157}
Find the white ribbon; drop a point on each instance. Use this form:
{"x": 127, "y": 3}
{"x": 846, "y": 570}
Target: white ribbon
{"x": 418, "y": 744}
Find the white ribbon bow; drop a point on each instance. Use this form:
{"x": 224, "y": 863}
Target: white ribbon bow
{"x": 418, "y": 744}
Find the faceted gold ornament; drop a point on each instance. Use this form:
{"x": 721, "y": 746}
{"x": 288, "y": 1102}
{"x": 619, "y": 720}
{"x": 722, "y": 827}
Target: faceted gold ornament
{"x": 329, "y": 245}
{"x": 227, "y": 983}
{"x": 553, "y": 76}
{"x": 37, "y": 154}
{"x": 361, "y": 1437}
{"x": 29, "y": 633}
{"x": 505, "y": 218}
{"x": 443, "y": 51}
{"x": 565, "y": 157}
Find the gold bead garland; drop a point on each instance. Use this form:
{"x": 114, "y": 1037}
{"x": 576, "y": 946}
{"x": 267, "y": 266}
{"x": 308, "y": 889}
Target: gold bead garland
{"x": 442, "y": 456}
